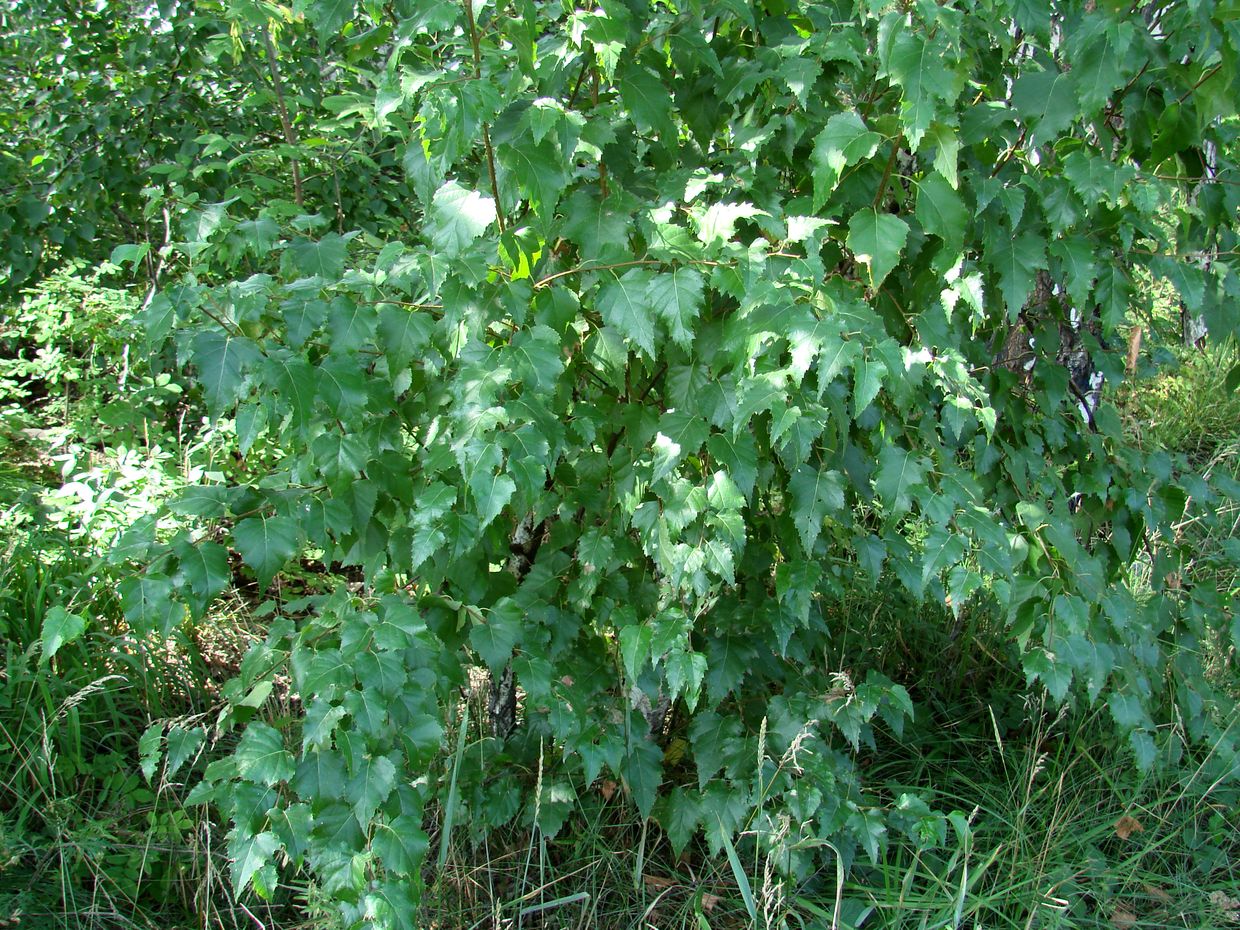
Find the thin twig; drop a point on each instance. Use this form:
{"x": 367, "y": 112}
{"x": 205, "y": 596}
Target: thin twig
{"x": 1007, "y": 156}
{"x": 290, "y": 134}
{"x": 891, "y": 163}
{"x": 486, "y": 132}
{"x": 232, "y": 330}
{"x": 1205, "y": 77}
{"x": 581, "y": 75}
{"x": 543, "y": 282}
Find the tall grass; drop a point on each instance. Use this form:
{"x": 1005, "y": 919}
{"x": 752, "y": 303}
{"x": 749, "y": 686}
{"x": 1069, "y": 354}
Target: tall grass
{"x": 85, "y": 840}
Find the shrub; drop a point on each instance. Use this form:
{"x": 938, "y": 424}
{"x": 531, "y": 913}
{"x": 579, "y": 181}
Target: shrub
{"x": 704, "y": 320}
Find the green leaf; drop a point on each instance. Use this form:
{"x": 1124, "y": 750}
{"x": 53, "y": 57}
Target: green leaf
{"x": 427, "y": 540}
{"x": 183, "y": 745}
{"x": 555, "y": 802}
{"x": 927, "y": 77}
{"x": 342, "y": 385}
{"x": 59, "y": 628}
{"x": 266, "y": 544}
{"x": 600, "y": 232}
{"x": 497, "y": 633}
{"x": 293, "y": 824}
{"x": 350, "y": 324}
{"x": 642, "y": 771}
{"x": 679, "y": 813}
{"x": 261, "y": 756}
{"x": 739, "y": 455}
{"x": 685, "y": 671}
{"x": 877, "y": 239}
{"x": 715, "y": 740}
{"x": 815, "y": 494}
{"x": 1096, "y": 178}
{"x": 458, "y": 216}
{"x": 898, "y": 473}
{"x": 224, "y": 362}
{"x": 1114, "y": 295}
{"x": 539, "y": 361}
{"x": 718, "y": 222}
{"x": 728, "y": 663}
{"x": 491, "y": 494}
{"x": 401, "y": 845}
{"x": 324, "y": 259}
{"x": 537, "y": 170}
{"x": 867, "y": 381}
{"x": 625, "y": 304}
{"x": 149, "y": 745}
{"x": 1232, "y": 381}
{"x": 329, "y": 17}
{"x": 868, "y": 826}
{"x": 595, "y": 550}
{"x": 131, "y": 253}
{"x": 943, "y": 549}
{"x": 259, "y": 235}
{"x": 676, "y": 297}
{"x": 941, "y": 211}
{"x": 371, "y": 785}
{"x": 844, "y": 141}
{"x": 321, "y": 719}
{"x": 320, "y": 775}
{"x": 1076, "y": 255}
{"x": 368, "y": 707}
{"x": 756, "y": 395}
{"x": 205, "y": 569}
{"x": 1101, "y": 64}
{"x": 148, "y": 605}
{"x": 403, "y": 334}
{"x": 1018, "y": 261}
{"x": 295, "y": 380}
{"x": 838, "y": 355}
{"x": 648, "y": 100}
{"x": 249, "y": 855}
{"x": 1047, "y": 101}
{"x": 947, "y": 152}
{"x": 635, "y": 645}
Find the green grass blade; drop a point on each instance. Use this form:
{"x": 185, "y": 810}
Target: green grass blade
{"x": 449, "y": 813}
{"x": 738, "y": 872}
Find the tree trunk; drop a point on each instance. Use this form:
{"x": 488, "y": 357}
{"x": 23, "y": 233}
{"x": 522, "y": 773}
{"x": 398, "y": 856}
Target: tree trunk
{"x": 502, "y": 699}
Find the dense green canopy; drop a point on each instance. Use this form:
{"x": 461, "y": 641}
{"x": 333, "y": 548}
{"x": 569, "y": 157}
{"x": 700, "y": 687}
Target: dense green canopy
{"x": 609, "y": 347}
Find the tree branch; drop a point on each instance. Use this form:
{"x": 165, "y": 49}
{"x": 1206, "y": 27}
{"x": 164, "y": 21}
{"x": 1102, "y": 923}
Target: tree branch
{"x": 486, "y": 132}
{"x": 290, "y": 134}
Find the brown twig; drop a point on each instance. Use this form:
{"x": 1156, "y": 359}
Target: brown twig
{"x": 1007, "y": 156}
{"x": 1205, "y": 77}
{"x": 290, "y": 134}
{"x": 581, "y": 76}
{"x": 543, "y": 282}
{"x": 486, "y": 132}
{"x": 891, "y": 163}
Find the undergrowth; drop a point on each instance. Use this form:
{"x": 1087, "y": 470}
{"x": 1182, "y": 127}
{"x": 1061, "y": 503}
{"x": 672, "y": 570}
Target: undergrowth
{"x": 85, "y": 839}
